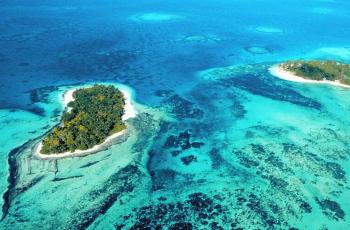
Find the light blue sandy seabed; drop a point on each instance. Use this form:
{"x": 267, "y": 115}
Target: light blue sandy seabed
{"x": 219, "y": 143}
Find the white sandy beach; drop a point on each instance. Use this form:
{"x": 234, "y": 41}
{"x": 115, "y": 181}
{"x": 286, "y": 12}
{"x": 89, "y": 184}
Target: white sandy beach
{"x": 68, "y": 97}
{"x": 277, "y": 71}
{"x": 129, "y": 112}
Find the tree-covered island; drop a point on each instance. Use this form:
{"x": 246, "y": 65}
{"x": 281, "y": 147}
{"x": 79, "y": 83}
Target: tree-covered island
{"x": 95, "y": 113}
{"x": 319, "y": 70}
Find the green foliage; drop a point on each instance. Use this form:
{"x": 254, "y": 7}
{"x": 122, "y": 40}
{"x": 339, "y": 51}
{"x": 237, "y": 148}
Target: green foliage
{"x": 319, "y": 70}
{"x": 96, "y": 113}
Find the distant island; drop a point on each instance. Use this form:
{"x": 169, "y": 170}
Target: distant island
{"x": 327, "y": 72}
{"x": 93, "y": 115}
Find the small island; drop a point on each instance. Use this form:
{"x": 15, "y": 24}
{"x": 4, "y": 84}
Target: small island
{"x": 327, "y": 72}
{"x": 92, "y": 116}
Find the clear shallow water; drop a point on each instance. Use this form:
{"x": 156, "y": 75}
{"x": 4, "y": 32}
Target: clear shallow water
{"x": 243, "y": 149}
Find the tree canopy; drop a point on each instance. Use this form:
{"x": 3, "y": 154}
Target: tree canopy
{"x": 96, "y": 113}
{"x": 320, "y": 70}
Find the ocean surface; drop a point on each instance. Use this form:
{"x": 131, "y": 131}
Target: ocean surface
{"x": 219, "y": 143}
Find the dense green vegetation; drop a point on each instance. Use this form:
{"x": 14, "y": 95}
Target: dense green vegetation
{"x": 320, "y": 70}
{"x": 95, "y": 114}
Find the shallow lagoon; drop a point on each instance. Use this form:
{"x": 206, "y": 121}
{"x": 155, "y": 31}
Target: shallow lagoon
{"x": 240, "y": 149}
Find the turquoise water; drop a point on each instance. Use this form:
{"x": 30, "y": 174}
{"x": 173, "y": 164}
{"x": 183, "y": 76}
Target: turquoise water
{"x": 218, "y": 143}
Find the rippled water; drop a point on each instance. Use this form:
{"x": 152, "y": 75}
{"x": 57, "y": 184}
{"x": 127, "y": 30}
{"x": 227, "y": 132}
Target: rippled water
{"x": 219, "y": 143}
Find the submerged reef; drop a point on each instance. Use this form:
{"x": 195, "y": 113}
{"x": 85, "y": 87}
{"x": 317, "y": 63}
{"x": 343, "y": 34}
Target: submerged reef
{"x": 181, "y": 107}
{"x": 92, "y": 57}
{"x": 224, "y": 145}
{"x": 182, "y": 141}
{"x": 256, "y": 80}
{"x": 258, "y": 50}
{"x": 235, "y": 154}
{"x": 155, "y": 17}
{"x": 274, "y": 196}
{"x": 117, "y": 170}
{"x": 268, "y": 30}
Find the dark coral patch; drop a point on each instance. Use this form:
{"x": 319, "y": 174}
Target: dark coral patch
{"x": 179, "y": 106}
{"x": 331, "y": 209}
{"x": 181, "y": 226}
{"x": 305, "y": 206}
{"x": 336, "y": 170}
{"x": 197, "y": 144}
{"x": 188, "y": 159}
{"x": 198, "y": 210}
{"x": 37, "y": 110}
{"x": 216, "y": 159}
{"x": 259, "y": 85}
{"x": 181, "y": 141}
{"x": 161, "y": 178}
{"x": 41, "y": 94}
{"x": 93, "y": 57}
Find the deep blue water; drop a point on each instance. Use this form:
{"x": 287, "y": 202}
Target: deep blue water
{"x": 242, "y": 149}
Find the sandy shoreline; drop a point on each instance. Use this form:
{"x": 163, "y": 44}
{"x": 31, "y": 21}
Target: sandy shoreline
{"x": 277, "y": 71}
{"x": 68, "y": 97}
{"x": 129, "y": 112}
